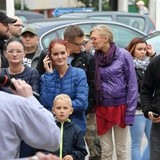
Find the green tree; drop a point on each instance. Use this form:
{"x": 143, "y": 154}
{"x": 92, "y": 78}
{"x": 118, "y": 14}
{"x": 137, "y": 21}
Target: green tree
{"x": 94, "y": 4}
{"x": 18, "y": 6}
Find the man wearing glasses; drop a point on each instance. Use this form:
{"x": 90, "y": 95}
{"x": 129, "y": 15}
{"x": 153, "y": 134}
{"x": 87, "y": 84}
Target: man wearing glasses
{"x": 81, "y": 59}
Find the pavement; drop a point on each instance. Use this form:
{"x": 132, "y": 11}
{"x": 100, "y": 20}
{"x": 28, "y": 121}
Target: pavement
{"x": 144, "y": 142}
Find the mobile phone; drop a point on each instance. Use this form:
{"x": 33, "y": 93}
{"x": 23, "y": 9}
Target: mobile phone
{"x": 155, "y": 115}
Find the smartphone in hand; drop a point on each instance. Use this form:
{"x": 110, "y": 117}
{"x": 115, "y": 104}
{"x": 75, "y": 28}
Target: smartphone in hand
{"x": 155, "y": 115}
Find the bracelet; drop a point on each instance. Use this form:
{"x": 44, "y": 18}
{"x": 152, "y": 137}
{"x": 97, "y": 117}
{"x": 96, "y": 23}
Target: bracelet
{"x": 34, "y": 158}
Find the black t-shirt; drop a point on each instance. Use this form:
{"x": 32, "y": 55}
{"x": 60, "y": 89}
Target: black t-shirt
{"x": 27, "y": 60}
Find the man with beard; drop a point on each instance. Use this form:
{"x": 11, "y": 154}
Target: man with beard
{"x": 4, "y": 21}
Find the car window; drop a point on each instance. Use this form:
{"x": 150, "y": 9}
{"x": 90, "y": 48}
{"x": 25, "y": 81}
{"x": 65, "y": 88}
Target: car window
{"x": 123, "y": 35}
{"x": 86, "y": 28}
{"x": 105, "y": 17}
{"x": 155, "y": 42}
{"x": 23, "y": 18}
{"x": 48, "y": 38}
{"x": 136, "y": 22}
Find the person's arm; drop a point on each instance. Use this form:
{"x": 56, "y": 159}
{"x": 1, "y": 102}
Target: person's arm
{"x": 34, "y": 124}
{"x": 147, "y": 89}
{"x": 22, "y": 88}
{"x": 132, "y": 89}
{"x": 90, "y": 80}
{"x": 80, "y": 103}
{"x": 35, "y": 80}
{"x": 47, "y": 83}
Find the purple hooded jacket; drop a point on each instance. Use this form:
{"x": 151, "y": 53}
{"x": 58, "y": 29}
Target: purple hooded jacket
{"x": 119, "y": 83}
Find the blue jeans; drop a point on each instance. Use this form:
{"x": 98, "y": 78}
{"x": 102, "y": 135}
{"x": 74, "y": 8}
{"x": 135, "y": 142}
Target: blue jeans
{"x": 140, "y": 126}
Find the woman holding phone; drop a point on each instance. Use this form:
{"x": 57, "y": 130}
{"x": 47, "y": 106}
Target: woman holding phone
{"x": 141, "y": 53}
{"x": 62, "y": 78}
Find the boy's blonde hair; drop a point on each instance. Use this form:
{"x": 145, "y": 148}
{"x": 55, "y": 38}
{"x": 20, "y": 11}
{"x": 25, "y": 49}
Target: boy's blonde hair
{"x": 63, "y": 97}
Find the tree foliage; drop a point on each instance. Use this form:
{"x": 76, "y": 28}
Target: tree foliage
{"x": 18, "y": 6}
{"x": 95, "y": 4}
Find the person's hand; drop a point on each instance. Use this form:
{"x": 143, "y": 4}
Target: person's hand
{"x": 22, "y": 88}
{"x": 42, "y": 156}
{"x": 48, "y": 64}
{"x": 68, "y": 157}
{"x": 150, "y": 50}
{"x": 152, "y": 118}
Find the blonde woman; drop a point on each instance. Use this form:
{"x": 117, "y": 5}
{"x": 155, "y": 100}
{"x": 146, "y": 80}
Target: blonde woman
{"x": 115, "y": 92}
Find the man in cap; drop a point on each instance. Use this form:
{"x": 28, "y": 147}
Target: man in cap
{"x": 142, "y": 8}
{"x": 30, "y": 39}
{"x": 4, "y": 21}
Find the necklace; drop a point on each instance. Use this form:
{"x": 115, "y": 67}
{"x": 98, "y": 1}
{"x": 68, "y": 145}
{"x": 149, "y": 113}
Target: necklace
{"x": 17, "y": 72}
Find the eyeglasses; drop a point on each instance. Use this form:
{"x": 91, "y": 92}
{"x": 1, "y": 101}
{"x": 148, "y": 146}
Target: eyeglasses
{"x": 78, "y": 44}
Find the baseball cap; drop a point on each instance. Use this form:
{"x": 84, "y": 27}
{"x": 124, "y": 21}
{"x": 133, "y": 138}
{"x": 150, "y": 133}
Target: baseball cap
{"x": 5, "y": 19}
{"x": 29, "y": 29}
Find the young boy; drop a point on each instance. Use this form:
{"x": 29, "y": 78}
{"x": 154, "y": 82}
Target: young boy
{"x": 72, "y": 146}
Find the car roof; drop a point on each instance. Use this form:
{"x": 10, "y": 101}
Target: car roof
{"x": 87, "y": 14}
{"x": 142, "y": 22}
{"x": 54, "y": 24}
{"x": 26, "y": 16}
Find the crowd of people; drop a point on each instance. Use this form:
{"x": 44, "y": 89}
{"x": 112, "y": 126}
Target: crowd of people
{"x": 87, "y": 102}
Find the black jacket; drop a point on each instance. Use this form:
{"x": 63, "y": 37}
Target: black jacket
{"x": 150, "y": 89}
{"x": 73, "y": 141}
{"x": 140, "y": 75}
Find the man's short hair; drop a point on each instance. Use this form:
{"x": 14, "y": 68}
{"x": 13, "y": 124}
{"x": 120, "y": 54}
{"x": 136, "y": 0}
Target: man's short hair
{"x": 72, "y": 32}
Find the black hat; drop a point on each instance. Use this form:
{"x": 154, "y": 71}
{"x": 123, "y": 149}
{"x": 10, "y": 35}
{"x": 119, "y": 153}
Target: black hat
{"x": 5, "y": 19}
